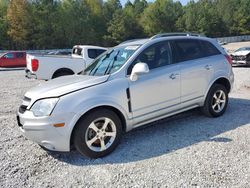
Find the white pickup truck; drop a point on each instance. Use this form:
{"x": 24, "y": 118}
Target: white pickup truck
{"x": 46, "y": 67}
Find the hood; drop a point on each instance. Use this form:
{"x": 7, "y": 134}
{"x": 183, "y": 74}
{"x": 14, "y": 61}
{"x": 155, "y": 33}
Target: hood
{"x": 63, "y": 85}
{"x": 244, "y": 52}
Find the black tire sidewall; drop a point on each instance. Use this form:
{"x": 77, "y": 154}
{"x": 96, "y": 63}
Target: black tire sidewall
{"x": 82, "y": 126}
{"x": 209, "y": 100}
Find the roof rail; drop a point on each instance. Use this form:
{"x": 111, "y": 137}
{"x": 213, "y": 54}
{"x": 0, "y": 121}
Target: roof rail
{"x": 174, "y": 34}
{"x": 131, "y": 40}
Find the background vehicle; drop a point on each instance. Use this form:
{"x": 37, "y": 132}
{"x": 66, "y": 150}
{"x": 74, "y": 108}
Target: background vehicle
{"x": 13, "y": 59}
{"x": 46, "y": 67}
{"x": 133, "y": 84}
{"x": 241, "y": 56}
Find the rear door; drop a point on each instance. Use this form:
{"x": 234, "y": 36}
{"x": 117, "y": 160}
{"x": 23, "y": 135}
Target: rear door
{"x": 196, "y": 67}
{"x": 21, "y": 59}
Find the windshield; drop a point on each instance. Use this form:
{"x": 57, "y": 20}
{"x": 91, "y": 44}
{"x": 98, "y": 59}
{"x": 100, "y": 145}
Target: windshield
{"x": 243, "y": 49}
{"x": 111, "y": 61}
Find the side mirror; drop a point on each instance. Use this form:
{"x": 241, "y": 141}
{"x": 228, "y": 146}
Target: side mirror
{"x": 139, "y": 68}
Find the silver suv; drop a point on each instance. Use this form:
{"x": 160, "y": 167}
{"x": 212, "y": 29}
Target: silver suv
{"x": 130, "y": 85}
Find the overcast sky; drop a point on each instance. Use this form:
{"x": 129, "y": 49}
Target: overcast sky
{"x": 184, "y": 2}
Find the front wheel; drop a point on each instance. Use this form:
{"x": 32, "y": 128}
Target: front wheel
{"x": 216, "y": 101}
{"x": 98, "y": 133}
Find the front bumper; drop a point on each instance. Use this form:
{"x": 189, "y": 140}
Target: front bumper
{"x": 29, "y": 74}
{"x": 42, "y": 131}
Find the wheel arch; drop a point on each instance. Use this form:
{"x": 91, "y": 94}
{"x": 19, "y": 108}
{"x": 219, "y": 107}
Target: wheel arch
{"x": 221, "y": 80}
{"x": 112, "y": 108}
{"x": 62, "y": 70}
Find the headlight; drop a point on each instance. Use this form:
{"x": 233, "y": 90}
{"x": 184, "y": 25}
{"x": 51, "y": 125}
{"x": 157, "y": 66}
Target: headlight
{"x": 44, "y": 107}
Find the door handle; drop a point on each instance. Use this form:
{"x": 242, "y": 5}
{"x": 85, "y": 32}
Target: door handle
{"x": 173, "y": 76}
{"x": 208, "y": 67}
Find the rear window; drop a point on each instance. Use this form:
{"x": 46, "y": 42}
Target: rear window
{"x": 77, "y": 51}
{"x": 186, "y": 50}
{"x": 19, "y": 55}
{"x": 93, "y": 53}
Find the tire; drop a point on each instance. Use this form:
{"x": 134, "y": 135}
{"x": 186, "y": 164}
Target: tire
{"x": 211, "y": 105}
{"x": 61, "y": 73}
{"x": 89, "y": 137}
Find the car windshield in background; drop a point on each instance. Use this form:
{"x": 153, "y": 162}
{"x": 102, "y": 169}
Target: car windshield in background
{"x": 243, "y": 49}
{"x": 111, "y": 61}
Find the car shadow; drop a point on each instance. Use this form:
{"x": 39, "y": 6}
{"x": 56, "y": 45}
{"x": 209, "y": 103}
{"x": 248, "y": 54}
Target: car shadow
{"x": 168, "y": 135}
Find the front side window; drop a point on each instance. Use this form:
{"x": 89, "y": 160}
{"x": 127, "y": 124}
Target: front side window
{"x": 9, "y": 56}
{"x": 111, "y": 61}
{"x": 187, "y": 49}
{"x": 155, "y": 56}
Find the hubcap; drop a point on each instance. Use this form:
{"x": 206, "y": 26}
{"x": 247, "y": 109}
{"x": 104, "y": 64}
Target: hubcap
{"x": 219, "y": 101}
{"x": 100, "y": 134}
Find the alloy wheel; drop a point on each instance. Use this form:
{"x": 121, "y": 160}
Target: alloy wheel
{"x": 100, "y": 134}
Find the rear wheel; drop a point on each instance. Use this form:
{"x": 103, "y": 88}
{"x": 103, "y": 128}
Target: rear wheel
{"x": 216, "y": 101}
{"x": 98, "y": 133}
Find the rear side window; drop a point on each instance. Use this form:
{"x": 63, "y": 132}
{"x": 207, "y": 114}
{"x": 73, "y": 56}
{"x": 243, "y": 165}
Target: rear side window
{"x": 19, "y": 55}
{"x": 209, "y": 49}
{"x": 187, "y": 49}
{"x": 93, "y": 53}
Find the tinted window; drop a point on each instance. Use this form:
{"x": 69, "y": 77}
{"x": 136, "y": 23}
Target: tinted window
{"x": 209, "y": 49}
{"x": 155, "y": 56}
{"x": 92, "y": 53}
{"x": 188, "y": 50}
{"x": 19, "y": 55}
{"x": 9, "y": 56}
{"x": 99, "y": 52}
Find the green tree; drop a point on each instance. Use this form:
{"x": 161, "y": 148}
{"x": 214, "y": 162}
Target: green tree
{"x": 73, "y": 23}
{"x": 4, "y": 38}
{"x": 109, "y": 8}
{"x": 18, "y": 17}
{"x": 243, "y": 17}
{"x": 44, "y": 20}
{"x": 97, "y": 25}
{"x": 161, "y": 16}
{"x": 123, "y": 27}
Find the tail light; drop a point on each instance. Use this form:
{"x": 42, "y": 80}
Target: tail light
{"x": 229, "y": 59}
{"x": 34, "y": 64}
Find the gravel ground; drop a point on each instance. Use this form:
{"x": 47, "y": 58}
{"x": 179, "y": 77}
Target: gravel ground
{"x": 187, "y": 150}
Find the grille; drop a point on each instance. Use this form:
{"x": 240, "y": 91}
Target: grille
{"x": 239, "y": 58}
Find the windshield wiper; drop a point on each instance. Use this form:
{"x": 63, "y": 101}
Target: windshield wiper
{"x": 106, "y": 56}
{"x": 108, "y": 70}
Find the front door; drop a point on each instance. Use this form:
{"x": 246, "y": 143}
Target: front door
{"x": 158, "y": 91}
{"x": 8, "y": 60}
